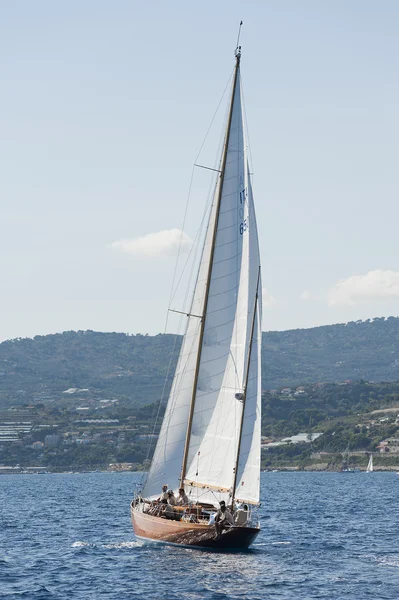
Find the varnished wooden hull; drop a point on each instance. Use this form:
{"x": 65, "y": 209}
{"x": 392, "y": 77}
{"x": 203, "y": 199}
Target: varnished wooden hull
{"x": 190, "y": 534}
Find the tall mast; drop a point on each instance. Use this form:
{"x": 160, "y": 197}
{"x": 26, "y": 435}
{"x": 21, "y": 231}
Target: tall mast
{"x": 208, "y": 281}
{"x": 245, "y": 387}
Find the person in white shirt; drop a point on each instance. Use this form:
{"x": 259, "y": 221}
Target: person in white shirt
{"x": 171, "y": 498}
{"x": 241, "y": 516}
{"x": 164, "y": 495}
{"x": 183, "y": 498}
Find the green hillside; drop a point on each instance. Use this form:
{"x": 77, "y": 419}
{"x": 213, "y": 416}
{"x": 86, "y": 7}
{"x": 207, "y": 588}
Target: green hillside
{"x": 133, "y": 368}
{"x": 358, "y": 350}
{"x": 331, "y": 418}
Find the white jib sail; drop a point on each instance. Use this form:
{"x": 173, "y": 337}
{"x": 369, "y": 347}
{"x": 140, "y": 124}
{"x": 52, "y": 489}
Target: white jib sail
{"x": 248, "y": 471}
{"x": 218, "y": 407}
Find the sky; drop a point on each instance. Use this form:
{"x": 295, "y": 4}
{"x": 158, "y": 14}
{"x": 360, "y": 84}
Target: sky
{"x": 103, "y": 109}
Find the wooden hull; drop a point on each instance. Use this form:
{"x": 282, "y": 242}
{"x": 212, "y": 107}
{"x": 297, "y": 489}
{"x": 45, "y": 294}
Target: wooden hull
{"x": 190, "y": 534}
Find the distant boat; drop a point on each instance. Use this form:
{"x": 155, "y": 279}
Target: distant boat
{"x": 370, "y": 467}
{"x": 209, "y": 443}
{"x": 346, "y": 468}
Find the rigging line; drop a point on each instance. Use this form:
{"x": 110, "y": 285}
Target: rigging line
{"x": 214, "y": 115}
{"x": 157, "y": 406}
{"x": 180, "y": 243}
{"x": 181, "y": 312}
{"x": 251, "y": 165}
{"x": 180, "y": 375}
{"x": 172, "y": 293}
{"x": 195, "y": 247}
{"x": 207, "y": 168}
{"x": 189, "y": 193}
{"x": 161, "y": 401}
{"x": 205, "y": 218}
{"x": 235, "y": 369}
{"x": 210, "y": 193}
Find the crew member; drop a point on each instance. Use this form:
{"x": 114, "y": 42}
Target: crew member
{"x": 224, "y": 520}
{"x": 241, "y": 516}
{"x": 183, "y": 498}
{"x": 164, "y": 495}
{"x": 171, "y": 498}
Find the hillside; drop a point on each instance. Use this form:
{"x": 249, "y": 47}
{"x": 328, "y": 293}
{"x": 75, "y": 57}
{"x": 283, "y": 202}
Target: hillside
{"x": 358, "y": 350}
{"x": 327, "y": 418}
{"x": 132, "y": 368}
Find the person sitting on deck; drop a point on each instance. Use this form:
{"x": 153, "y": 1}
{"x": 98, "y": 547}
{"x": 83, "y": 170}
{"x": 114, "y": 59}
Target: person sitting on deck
{"x": 183, "y": 498}
{"x": 219, "y": 511}
{"x": 224, "y": 520}
{"x": 171, "y": 498}
{"x": 170, "y": 511}
{"x": 164, "y": 495}
{"x": 241, "y": 516}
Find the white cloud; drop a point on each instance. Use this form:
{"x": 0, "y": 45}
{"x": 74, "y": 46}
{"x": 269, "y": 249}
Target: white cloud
{"x": 161, "y": 243}
{"x": 375, "y": 285}
{"x": 305, "y": 295}
{"x": 268, "y": 301}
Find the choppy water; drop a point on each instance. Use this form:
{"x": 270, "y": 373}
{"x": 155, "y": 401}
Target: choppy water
{"x": 325, "y": 535}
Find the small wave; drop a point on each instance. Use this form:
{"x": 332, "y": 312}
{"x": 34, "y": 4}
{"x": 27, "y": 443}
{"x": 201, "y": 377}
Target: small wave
{"x": 389, "y": 561}
{"x": 333, "y": 547}
{"x": 121, "y": 545}
{"x": 280, "y": 543}
{"x": 37, "y": 594}
{"x": 81, "y": 544}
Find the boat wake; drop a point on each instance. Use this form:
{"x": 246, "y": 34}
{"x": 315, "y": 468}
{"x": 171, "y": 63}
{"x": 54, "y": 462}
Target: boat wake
{"x": 281, "y": 543}
{"x": 120, "y": 545}
{"x": 389, "y": 561}
{"x": 81, "y": 544}
{"x": 116, "y": 545}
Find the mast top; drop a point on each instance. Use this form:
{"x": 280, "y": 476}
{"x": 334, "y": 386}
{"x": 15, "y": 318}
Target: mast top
{"x": 237, "y": 52}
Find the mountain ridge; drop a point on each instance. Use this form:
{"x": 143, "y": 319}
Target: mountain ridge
{"x": 134, "y": 367}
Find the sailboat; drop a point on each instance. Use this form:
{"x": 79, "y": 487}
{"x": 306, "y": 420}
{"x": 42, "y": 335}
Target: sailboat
{"x": 370, "y": 467}
{"x": 209, "y": 442}
{"x": 346, "y": 468}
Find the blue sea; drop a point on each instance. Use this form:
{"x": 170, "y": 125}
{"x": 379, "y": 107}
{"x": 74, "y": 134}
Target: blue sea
{"x": 324, "y": 535}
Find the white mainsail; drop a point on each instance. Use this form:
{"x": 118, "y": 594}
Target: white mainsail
{"x": 213, "y": 410}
